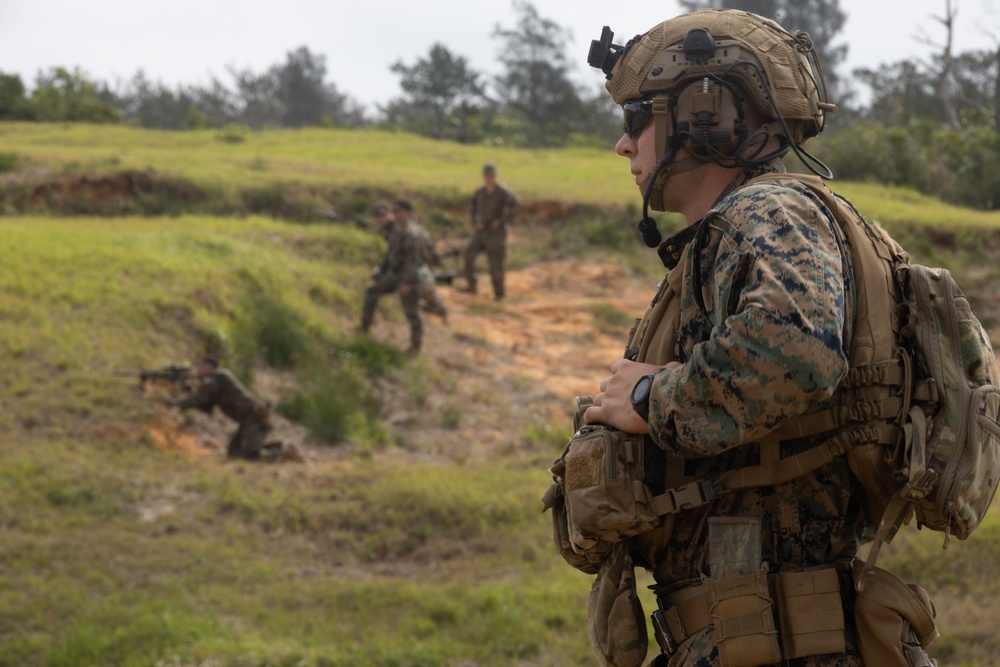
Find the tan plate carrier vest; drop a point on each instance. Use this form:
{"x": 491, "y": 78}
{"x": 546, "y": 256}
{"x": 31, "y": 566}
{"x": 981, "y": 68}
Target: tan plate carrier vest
{"x": 867, "y": 404}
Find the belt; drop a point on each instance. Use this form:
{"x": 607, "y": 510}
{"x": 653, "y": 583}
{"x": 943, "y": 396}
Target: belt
{"x": 685, "y": 612}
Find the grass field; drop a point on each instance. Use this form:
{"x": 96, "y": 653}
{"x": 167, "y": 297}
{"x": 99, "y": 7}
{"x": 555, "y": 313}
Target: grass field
{"x": 380, "y": 551}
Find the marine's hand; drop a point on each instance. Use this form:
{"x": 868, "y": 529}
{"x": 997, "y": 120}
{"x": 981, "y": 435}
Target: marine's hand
{"x": 613, "y": 405}
{"x": 496, "y": 224}
{"x": 404, "y": 289}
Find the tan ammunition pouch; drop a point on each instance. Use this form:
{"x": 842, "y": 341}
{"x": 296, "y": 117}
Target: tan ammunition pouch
{"x": 759, "y": 619}
{"x": 895, "y": 620}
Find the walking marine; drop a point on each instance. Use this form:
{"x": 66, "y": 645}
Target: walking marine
{"x": 493, "y": 208}
{"x": 753, "y": 434}
{"x": 399, "y": 271}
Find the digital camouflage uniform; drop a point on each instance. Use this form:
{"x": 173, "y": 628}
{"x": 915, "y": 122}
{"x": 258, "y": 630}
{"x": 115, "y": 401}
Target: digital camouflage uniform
{"x": 401, "y": 265}
{"x": 489, "y": 209}
{"x": 766, "y": 301}
{"x": 223, "y": 389}
{"x": 430, "y": 299}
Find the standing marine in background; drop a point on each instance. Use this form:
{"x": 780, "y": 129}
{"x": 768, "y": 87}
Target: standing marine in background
{"x": 399, "y": 271}
{"x": 493, "y": 208}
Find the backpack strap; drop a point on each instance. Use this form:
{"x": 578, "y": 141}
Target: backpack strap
{"x": 772, "y": 470}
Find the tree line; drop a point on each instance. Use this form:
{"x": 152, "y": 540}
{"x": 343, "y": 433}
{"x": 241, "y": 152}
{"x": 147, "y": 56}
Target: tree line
{"x": 932, "y": 125}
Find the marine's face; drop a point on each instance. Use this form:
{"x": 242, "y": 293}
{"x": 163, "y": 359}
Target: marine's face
{"x": 205, "y": 369}
{"x": 400, "y": 214}
{"x": 640, "y": 149}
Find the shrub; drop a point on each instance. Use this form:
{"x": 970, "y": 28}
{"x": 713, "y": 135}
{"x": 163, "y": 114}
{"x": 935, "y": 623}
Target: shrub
{"x": 266, "y": 328}
{"x": 9, "y": 162}
{"x": 333, "y": 404}
{"x": 233, "y": 133}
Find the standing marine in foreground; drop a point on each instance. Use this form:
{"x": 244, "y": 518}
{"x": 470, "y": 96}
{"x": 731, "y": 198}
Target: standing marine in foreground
{"x": 751, "y": 328}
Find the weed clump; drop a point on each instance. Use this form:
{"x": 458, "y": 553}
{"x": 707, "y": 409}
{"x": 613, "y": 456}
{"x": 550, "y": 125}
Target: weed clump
{"x": 9, "y": 162}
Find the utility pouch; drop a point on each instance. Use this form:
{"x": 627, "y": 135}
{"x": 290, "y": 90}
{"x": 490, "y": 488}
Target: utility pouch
{"x": 588, "y": 561}
{"x": 811, "y": 612}
{"x": 598, "y": 496}
{"x": 895, "y": 620}
{"x": 742, "y": 613}
{"x": 617, "y": 625}
{"x": 606, "y": 498}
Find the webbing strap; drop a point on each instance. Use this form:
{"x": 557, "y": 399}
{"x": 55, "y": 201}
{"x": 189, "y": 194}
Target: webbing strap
{"x": 772, "y": 470}
{"x": 889, "y": 372}
{"x": 831, "y": 419}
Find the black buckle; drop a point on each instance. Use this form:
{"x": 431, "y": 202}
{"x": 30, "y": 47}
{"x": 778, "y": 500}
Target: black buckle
{"x": 664, "y": 637}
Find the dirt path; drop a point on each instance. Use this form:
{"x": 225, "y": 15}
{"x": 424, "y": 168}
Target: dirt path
{"x": 518, "y": 363}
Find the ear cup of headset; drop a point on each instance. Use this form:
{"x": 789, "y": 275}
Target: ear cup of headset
{"x": 710, "y": 124}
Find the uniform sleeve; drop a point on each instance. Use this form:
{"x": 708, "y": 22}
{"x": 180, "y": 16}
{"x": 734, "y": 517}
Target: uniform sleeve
{"x": 511, "y": 207}
{"x": 773, "y": 275}
{"x": 203, "y": 398}
{"x": 474, "y": 208}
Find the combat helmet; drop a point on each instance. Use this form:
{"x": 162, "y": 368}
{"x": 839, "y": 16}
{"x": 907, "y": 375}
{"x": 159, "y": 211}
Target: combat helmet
{"x": 696, "y": 70}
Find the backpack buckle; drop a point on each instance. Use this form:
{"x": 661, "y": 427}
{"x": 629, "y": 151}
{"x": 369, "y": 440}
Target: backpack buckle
{"x": 917, "y": 489}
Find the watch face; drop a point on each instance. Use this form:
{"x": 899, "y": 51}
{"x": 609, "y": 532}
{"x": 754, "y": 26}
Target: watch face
{"x": 640, "y": 393}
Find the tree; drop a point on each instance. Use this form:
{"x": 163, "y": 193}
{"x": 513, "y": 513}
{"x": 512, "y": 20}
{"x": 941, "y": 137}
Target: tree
{"x": 258, "y": 98}
{"x": 69, "y": 96}
{"x": 436, "y": 87}
{"x": 905, "y": 90}
{"x": 301, "y": 88}
{"x": 14, "y": 102}
{"x": 945, "y": 59}
{"x": 535, "y": 84}
{"x": 822, "y": 19}
{"x": 151, "y": 104}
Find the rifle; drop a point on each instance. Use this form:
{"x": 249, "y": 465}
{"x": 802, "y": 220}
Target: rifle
{"x": 177, "y": 376}
{"x": 333, "y": 216}
{"x": 445, "y": 277}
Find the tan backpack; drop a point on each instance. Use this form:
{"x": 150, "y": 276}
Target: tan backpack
{"x": 918, "y": 409}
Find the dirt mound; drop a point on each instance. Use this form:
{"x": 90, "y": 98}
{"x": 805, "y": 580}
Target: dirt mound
{"x": 168, "y": 431}
{"x": 121, "y": 193}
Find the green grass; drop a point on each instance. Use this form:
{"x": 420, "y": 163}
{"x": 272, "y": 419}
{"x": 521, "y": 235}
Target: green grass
{"x": 376, "y": 564}
{"x": 114, "y": 553}
{"x": 331, "y": 158}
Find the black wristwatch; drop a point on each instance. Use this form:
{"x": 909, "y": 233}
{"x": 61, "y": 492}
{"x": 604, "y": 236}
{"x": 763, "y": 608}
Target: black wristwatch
{"x": 640, "y": 395}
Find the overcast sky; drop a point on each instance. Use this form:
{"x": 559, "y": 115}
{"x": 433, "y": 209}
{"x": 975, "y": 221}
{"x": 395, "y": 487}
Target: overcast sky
{"x": 188, "y": 41}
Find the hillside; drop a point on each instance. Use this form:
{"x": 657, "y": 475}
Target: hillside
{"x": 412, "y": 535}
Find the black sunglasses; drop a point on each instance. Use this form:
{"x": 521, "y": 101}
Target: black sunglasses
{"x": 637, "y": 113}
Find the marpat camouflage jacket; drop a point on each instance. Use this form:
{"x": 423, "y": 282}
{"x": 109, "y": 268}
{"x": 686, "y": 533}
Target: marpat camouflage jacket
{"x": 766, "y": 308}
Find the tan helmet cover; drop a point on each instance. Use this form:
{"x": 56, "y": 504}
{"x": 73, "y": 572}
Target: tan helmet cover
{"x": 656, "y": 63}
